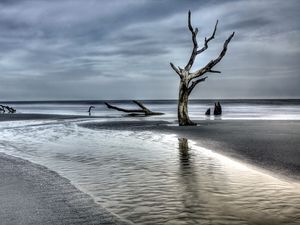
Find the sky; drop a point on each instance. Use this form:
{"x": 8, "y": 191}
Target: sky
{"x": 121, "y": 49}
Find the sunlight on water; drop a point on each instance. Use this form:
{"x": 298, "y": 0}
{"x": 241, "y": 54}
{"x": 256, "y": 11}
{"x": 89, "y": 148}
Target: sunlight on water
{"x": 150, "y": 178}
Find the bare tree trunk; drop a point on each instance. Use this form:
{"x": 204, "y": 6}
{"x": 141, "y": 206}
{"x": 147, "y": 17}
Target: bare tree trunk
{"x": 188, "y": 79}
{"x": 183, "y": 115}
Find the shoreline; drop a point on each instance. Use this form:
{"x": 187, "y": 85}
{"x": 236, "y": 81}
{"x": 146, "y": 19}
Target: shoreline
{"x": 32, "y": 194}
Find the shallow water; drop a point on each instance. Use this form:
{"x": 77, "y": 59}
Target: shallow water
{"x": 149, "y": 178}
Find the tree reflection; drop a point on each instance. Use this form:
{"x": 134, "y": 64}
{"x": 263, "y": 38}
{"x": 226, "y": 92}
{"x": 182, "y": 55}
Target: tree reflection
{"x": 188, "y": 178}
{"x": 184, "y": 155}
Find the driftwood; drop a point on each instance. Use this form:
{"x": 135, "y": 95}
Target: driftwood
{"x": 6, "y": 107}
{"x": 207, "y": 112}
{"x": 90, "y": 110}
{"x": 188, "y": 79}
{"x": 218, "y": 109}
{"x": 135, "y": 112}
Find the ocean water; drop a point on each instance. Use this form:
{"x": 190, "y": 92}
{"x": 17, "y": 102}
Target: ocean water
{"x": 232, "y": 109}
{"x": 152, "y": 178}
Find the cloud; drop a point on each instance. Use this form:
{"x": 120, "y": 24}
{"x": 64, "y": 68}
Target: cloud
{"x": 103, "y": 47}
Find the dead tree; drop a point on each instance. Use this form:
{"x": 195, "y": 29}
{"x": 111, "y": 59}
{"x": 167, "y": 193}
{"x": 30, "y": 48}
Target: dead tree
{"x": 188, "y": 79}
{"x": 135, "y": 112}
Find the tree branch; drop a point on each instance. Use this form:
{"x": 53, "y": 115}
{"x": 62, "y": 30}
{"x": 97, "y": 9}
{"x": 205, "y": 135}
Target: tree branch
{"x": 178, "y": 71}
{"x": 142, "y": 106}
{"x": 212, "y": 63}
{"x": 135, "y": 112}
{"x": 208, "y": 40}
{"x": 123, "y": 110}
{"x": 194, "y": 83}
{"x": 214, "y": 71}
{"x": 195, "y": 43}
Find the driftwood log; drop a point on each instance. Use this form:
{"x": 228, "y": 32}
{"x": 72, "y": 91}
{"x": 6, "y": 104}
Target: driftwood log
{"x": 143, "y": 111}
{"x": 3, "y": 109}
{"x": 218, "y": 109}
{"x": 189, "y": 79}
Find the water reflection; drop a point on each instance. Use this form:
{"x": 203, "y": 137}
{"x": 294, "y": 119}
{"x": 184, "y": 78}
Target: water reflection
{"x": 151, "y": 178}
{"x": 188, "y": 179}
{"x": 184, "y": 155}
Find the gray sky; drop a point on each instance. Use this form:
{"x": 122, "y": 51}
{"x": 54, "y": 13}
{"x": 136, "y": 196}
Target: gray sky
{"x": 121, "y": 49}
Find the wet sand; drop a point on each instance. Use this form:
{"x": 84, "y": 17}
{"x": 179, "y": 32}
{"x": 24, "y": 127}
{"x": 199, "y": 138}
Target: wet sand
{"x": 25, "y": 116}
{"x": 272, "y": 145}
{"x": 32, "y": 194}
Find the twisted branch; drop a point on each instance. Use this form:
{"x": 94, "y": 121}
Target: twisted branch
{"x": 178, "y": 71}
{"x": 195, "y": 50}
{"x": 194, "y": 83}
{"x": 212, "y": 63}
{"x": 208, "y": 40}
{"x": 195, "y": 43}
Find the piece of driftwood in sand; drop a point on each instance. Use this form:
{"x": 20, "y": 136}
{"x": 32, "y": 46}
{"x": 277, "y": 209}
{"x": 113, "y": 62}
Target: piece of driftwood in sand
{"x": 217, "y": 109}
{"x": 4, "y": 108}
{"x": 143, "y": 111}
{"x": 188, "y": 79}
{"x": 207, "y": 113}
{"x": 90, "y": 110}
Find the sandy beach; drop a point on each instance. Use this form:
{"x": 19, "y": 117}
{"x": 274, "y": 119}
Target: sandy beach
{"x": 33, "y": 194}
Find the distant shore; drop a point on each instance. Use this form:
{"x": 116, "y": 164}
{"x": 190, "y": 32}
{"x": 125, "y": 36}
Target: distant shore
{"x": 31, "y": 116}
{"x": 270, "y": 144}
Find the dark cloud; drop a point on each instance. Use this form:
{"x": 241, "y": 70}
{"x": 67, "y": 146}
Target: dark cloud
{"x": 76, "y": 49}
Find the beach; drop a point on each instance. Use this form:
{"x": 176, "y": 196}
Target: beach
{"x": 32, "y": 194}
{"x": 145, "y": 170}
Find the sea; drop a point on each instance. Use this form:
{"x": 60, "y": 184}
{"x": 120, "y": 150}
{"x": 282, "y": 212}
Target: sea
{"x": 152, "y": 178}
{"x": 266, "y": 109}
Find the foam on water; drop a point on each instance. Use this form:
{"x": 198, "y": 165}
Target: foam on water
{"x": 149, "y": 178}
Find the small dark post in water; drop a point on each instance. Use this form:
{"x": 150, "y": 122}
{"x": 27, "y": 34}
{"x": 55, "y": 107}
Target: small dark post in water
{"x": 90, "y": 110}
{"x": 207, "y": 112}
{"x": 218, "y": 109}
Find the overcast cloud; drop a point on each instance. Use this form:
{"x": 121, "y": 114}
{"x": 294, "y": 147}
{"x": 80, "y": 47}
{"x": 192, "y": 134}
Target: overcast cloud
{"x": 121, "y": 49}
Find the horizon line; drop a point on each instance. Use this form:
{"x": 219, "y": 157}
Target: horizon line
{"x": 102, "y": 100}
